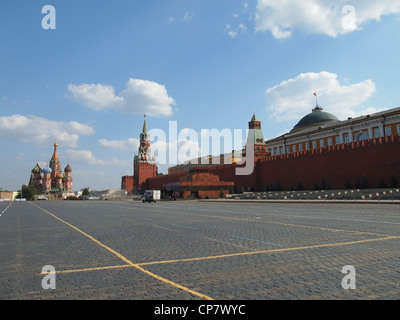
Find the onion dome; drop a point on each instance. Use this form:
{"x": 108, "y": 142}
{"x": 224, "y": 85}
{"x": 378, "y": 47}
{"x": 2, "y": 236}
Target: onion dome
{"x": 59, "y": 176}
{"x": 317, "y": 117}
{"x": 68, "y": 168}
{"x": 37, "y": 169}
{"x": 47, "y": 170}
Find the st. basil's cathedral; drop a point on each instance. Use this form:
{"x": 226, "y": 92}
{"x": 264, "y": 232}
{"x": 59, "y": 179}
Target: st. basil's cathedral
{"x": 51, "y": 179}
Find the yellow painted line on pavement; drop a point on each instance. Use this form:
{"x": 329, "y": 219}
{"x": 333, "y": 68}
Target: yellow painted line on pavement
{"x": 269, "y": 251}
{"x": 91, "y": 269}
{"x": 89, "y": 236}
{"x": 140, "y": 265}
{"x": 130, "y": 263}
{"x": 261, "y": 221}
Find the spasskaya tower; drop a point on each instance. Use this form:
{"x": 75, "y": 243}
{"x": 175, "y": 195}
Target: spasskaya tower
{"x": 144, "y": 164}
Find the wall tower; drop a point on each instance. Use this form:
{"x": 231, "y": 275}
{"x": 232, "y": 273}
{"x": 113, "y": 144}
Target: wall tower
{"x": 144, "y": 164}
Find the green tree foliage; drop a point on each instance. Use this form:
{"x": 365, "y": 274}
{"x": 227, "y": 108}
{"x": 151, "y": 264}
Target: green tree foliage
{"x": 394, "y": 182}
{"x": 382, "y": 183}
{"x": 300, "y": 186}
{"x": 348, "y": 185}
{"x": 28, "y": 192}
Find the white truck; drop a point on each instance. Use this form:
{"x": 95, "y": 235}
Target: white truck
{"x": 151, "y": 196}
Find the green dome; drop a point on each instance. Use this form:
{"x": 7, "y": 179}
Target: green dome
{"x": 36, "y": 169}
{"x": 317, "y": 117}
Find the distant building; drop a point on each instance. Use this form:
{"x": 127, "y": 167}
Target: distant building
{"x": 51, "y": 179}
{"x": 144, "y": 165}
{"x": 8, "y": 195}
{"x": 320, "y": 129}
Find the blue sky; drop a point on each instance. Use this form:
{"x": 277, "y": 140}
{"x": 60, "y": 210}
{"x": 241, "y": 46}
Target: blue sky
{"x": 203, "y": 63}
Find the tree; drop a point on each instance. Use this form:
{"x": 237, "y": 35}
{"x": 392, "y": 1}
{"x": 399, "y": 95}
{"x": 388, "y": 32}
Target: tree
{"x": 272, "y": 186}
{"x": 86, "y": 192}
{"x": 364, "y": 183}
{"x": 394, "y": 182}
{"x": 300, "y": 186}
{"x": 382, "y": 184}
{"x": 358, "y": 183}
{"x": 316, "y": 186}
{"x": 28, "y": 192}
{"x": 324, "y": 185}
{"x": 348, "y": 185}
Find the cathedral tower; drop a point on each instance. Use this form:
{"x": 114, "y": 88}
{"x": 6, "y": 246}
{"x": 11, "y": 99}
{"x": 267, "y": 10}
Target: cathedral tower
{"x": 144, "y": 164}
{"x": 67, "y": 180}
{"x": 55, "y": 166}
{"x": 46, "y": 186}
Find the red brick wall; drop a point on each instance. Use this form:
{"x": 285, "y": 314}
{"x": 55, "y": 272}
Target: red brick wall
{"x": 374, "y": 159}
{"x": 158, "y": 183}
{"x": 142, "y": 172}
{"x": 127, "y": 184}
{"x": 228, "y": 173}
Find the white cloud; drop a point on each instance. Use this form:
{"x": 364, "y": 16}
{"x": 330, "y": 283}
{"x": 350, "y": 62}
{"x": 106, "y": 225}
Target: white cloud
{"x": 41, "y": 131}
{"x": 140, "y": 96}
{"x": 292, "y": 99}
{"x": 130, "y": 145}
{"x": 331, "y": 18}
{"x": 234, "y": 31}
{"x": 87, "y": 157}
{"x": 237, "y": 26}
{"x": 188, "y": 16}
{"x": 96, "y": 96}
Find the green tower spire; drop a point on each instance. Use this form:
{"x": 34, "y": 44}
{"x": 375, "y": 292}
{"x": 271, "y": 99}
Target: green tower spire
{"x": 144, "y": 130}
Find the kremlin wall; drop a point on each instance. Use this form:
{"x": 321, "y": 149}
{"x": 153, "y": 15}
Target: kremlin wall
{"x": 320, "y": 150}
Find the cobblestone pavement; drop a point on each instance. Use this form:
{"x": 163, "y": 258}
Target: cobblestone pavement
{"x": 198, "y": 250}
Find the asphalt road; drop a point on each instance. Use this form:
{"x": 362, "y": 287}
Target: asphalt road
{"x": 199, "y": 250}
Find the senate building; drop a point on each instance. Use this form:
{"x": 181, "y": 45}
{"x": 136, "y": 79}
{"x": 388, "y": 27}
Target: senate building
{"x": 320, "y": 129}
